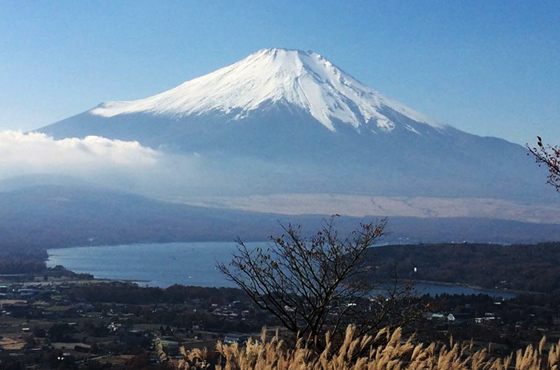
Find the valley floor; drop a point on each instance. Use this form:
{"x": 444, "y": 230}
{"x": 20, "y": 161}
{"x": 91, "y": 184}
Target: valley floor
{"x": 92, "y": 324}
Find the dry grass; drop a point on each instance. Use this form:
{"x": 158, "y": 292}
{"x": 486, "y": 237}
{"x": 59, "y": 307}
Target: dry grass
{"x": 386, "y": 351}
{"x": 12, "y": 343}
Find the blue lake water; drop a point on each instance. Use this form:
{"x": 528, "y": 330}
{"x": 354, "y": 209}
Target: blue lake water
{"x": 151, "y": 264}
{"x": 163, "y": 265}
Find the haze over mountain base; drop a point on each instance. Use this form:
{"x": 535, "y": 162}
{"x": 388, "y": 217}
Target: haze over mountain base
{"x": 63, "y": 216}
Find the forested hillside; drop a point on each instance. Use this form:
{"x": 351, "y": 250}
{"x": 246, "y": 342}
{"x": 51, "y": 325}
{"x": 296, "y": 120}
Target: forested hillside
{"x": 516, "y": 267}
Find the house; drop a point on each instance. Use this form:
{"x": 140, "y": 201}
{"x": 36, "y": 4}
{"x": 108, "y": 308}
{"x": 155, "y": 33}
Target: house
{"x": 235, "y": 338}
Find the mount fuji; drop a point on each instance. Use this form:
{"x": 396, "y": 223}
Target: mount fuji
{"x": 291, "y": 122}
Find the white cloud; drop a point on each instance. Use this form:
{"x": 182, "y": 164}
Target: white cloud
{"x": 41, "y": 152}
{"x": 33, "y": 158}
{"x": 93, "y": 158}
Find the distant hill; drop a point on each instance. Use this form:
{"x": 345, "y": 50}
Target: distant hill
{"x": 55, "y": 216}
{"x": 63, "y": 216}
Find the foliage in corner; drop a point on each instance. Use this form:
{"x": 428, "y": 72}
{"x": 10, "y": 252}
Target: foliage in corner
{"x": 549, "y": 156}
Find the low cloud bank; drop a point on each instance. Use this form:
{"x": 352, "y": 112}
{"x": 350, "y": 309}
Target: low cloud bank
{"x": 37, "y": 152}
{"x": 125, "y": 165}
{"x": 93, "y": 159}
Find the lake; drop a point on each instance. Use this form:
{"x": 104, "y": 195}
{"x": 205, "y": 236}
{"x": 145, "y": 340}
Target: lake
{"x": 163, "y": 265}
{"x": 159, "y": 265}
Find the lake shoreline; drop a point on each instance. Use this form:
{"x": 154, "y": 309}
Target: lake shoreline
{"x": 188, "y": 264}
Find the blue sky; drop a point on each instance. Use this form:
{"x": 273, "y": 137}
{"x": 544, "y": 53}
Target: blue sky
{"x": 491, "y": 68}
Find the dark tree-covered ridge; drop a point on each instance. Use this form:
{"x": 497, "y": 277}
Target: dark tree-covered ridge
{"x": 515, "y": 267}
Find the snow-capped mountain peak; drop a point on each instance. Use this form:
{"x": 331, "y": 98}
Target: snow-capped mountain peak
{"x": 303, "y": 79}
{"x": 287, "y": 121}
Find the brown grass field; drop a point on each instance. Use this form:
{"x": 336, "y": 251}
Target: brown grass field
{"x": 387, "y": 350}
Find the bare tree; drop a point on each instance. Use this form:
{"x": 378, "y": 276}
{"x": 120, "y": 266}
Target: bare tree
{"x": 549, "y": 156}
{"x": 320, "y": 283}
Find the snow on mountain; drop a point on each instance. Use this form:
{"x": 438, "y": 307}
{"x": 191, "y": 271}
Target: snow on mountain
{"x": 302, "y": 79}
